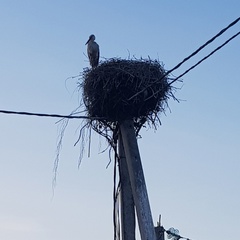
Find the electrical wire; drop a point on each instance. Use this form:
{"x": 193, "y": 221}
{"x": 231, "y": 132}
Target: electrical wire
{"x": 47, "y": 115}
{"x": 203, "y": 46}
{"x": 167, "y": 73}
{"x": 191, "y": 55}
{"x": 210, "y": 54}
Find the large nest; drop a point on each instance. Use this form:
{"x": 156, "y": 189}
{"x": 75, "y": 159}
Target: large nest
{"x": 119, "y": 89}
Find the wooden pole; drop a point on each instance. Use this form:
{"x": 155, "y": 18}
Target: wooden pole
{"x": 127, "y": 203}
{"x": 139, "y": 189}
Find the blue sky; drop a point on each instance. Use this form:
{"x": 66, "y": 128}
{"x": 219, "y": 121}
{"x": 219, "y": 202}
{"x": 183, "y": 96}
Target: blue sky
{"x": 191, "y": 163}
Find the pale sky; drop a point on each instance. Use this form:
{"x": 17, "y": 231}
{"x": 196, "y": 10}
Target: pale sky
{"x": 191, "y": 163}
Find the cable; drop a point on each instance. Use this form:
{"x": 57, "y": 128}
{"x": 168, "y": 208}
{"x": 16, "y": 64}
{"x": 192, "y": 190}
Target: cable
{"x": 203, "y": 46}
{"x": 211, "y": 53}
{"x": 167, "y": 73}
{"x": 191, "y": 55}
{"x": 47, "y": 115}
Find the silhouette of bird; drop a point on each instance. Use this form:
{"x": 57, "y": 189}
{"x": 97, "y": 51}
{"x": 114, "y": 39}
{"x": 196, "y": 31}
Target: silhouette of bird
{"x": 92, "y": 51}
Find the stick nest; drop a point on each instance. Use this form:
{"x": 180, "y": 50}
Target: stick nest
{"x": 119, "y": 89}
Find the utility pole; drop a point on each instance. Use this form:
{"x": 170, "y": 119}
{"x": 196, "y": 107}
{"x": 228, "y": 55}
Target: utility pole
{"x": 138, "y": 185}
{"x": 127, "y": 203}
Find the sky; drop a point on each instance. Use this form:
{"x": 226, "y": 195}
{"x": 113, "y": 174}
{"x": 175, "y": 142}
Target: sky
{"x": 191, "y": 162}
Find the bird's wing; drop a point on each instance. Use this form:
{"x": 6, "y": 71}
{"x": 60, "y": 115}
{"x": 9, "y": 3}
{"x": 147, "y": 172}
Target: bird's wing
{"x": 93, "y": 54}
{"x": 98, "y": 54}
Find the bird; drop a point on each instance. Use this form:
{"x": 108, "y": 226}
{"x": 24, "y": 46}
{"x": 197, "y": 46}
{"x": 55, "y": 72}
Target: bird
{"x": 92, "y": 51}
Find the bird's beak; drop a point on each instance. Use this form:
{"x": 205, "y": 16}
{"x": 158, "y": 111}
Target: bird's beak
{"x": 87, "y": 41}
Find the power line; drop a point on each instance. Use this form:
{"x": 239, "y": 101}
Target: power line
{"x": 86, "y": 117}
{"x": 47, "y": 115}
{"x": 203, "y": 46}
{"x": 211, "y": 53}
{"x": 167, "y": 73}
{"x": 193, "y": 54}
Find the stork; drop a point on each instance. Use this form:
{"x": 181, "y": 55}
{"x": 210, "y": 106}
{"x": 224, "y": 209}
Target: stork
{"x": 92, "y": 51}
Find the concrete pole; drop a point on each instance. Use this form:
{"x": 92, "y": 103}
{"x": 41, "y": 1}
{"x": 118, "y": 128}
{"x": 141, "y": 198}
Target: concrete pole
{"x": 139, "y": 189}
{"x": 127, "y": 203}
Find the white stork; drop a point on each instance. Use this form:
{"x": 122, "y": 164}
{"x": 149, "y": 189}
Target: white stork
{"x": 92, "y": 51}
